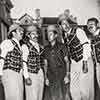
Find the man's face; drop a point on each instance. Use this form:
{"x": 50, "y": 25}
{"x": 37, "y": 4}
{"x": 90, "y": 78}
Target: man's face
{"x": 34, "y": 36}
{"x": 32, "y": 33}
{"x": 65, "y": 25}
{"x": 51, "y": 36}
{"x": 92, "y": 27}
{"x": 19, "y": 33}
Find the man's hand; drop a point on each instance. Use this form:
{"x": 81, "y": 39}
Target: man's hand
{"x": 66, "y": 79}
{"x": 28, "y": 81}
{"x": 47, "y": 82}
{"x": 85, "y": 67}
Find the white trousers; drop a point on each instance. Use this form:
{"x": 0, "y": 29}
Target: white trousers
{"x": 35, "y": 91}
{"x": 98, "y": 74}
{"x": 13, "y": 85}
{"x": 82, "y": 84}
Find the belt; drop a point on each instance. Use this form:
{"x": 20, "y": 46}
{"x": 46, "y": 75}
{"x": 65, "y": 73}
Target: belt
{"x": 12, "y": 68}
{"x": 34, "y": 71}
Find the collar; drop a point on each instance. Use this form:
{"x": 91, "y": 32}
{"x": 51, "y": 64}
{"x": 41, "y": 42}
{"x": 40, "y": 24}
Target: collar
{"x": 36, "y": 45}
{"x": 33, "y": 43}
{"x": 55, "y": 45}
{"x": 69, "y": 31}
{"x": 16, "y": 41}
{"x": 97, "y": 32}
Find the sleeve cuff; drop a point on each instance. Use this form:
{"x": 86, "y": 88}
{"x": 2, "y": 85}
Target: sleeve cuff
{"x": 25, "y": 71}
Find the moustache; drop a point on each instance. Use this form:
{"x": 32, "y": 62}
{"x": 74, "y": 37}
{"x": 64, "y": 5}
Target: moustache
{"x": 90, "y": 28}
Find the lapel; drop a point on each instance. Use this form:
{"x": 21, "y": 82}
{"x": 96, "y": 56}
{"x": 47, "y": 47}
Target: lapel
{"x": 16, "y": 45}
{"x": 35, "y": 50}
{"x": 41, "y": 49}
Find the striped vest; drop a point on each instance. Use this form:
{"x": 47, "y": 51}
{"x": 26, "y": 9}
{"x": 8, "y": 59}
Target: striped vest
{"x": 76, "y": 49}
{"x": 95, "y": 44}
{"x": 34, "y": 60}
{"x": 13, "y": 59}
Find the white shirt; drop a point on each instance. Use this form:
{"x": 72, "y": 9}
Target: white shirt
{"x": 6, "y": 46}
{"x": 86, "y": 47}
{"x": 25, "y": 51}
{"x": 17, "y": 42}
{"x": 36, "y": 45}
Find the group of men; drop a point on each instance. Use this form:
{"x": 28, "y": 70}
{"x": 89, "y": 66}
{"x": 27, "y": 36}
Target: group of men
{"x": 66, "y": 67}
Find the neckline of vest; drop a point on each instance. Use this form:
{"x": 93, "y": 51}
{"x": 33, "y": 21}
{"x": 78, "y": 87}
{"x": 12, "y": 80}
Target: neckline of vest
{"x": 15, "y": 44}
{"x": 35, "y": 50}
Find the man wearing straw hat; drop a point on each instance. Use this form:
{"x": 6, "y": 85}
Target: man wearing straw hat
{"x": 81, "y": 85}
{"x": 11, "y": 64}
{"x": 33, "y": 66}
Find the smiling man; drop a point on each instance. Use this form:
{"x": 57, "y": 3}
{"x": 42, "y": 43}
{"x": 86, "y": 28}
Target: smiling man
{"x": 33, "y": 72}
{"x": 94, "y": 37}
{"x": 81, "y": 85}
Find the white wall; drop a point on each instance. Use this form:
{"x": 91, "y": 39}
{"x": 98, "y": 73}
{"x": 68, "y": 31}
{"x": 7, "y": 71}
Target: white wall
{"x": 83, "y": 9}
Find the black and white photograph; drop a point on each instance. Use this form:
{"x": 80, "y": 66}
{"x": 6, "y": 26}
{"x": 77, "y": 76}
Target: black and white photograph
{"x": 49, "y": 49}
